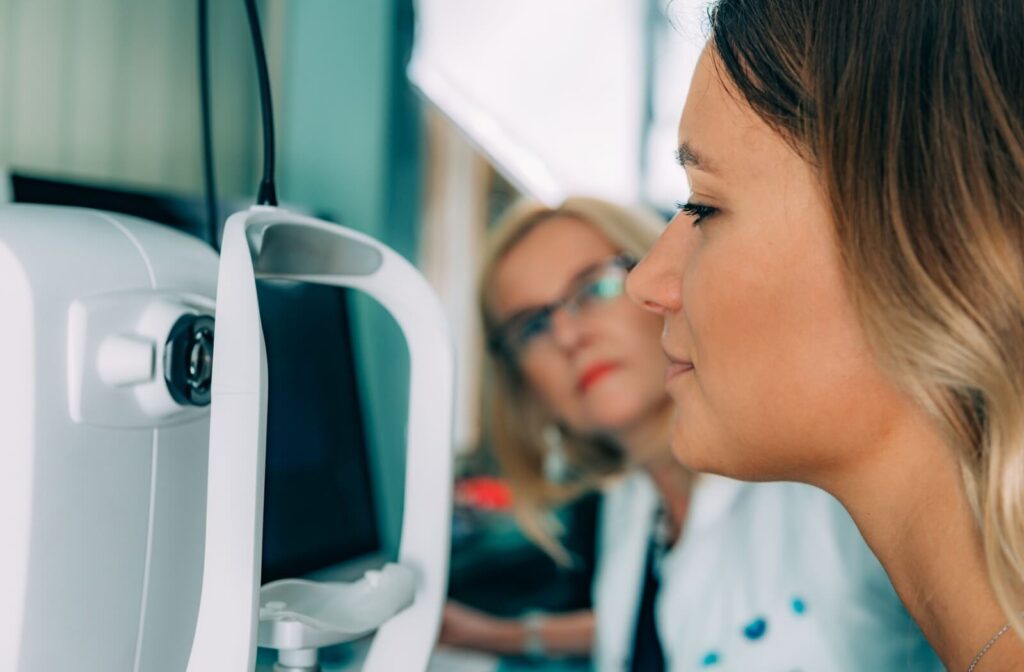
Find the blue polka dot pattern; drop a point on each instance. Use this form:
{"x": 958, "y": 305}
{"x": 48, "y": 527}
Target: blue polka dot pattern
{"x": 755, "y": 629}
{"x": 799, "y": 606}
{"x": 710, "y": 659}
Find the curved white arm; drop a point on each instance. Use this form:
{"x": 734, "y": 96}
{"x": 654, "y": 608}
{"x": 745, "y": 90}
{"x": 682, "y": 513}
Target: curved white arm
{"x": 225, "y": 637}
{"x": 273, "y": 243}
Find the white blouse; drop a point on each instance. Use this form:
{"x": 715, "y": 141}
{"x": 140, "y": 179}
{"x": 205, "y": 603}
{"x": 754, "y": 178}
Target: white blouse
{"x": 766, "y": 577}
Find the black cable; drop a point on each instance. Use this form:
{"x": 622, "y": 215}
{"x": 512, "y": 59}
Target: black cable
{"x": 212, "y": 219}
{"x": 267, "y": 193}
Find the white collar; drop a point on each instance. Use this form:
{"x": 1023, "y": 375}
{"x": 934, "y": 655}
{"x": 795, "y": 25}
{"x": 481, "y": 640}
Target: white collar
{"x": 712, "y": 499}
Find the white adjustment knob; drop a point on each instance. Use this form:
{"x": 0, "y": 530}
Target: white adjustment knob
{"x": 126, "y": 360}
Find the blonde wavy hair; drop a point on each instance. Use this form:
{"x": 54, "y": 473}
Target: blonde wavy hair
{"x": 516, "y": 420}
{"x": 913, "y": 115}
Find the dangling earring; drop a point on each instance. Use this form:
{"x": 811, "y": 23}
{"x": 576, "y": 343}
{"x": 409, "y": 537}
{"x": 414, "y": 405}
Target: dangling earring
{"x": 556, "y": 466}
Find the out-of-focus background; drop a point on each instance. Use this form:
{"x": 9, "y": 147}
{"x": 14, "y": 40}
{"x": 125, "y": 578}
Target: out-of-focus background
{"x": 415, "y": 122}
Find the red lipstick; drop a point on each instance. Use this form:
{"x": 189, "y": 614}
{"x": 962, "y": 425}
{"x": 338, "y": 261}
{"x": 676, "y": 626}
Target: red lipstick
{"x": 593, "y": 374}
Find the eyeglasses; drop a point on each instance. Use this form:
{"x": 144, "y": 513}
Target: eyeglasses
{"x": 523, "y": 332}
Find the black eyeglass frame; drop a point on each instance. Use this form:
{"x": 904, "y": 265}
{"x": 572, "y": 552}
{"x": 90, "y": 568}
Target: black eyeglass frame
{"x": 497, "y": 338}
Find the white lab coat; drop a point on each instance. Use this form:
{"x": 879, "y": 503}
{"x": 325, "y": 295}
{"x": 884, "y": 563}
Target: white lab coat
{"x": 766, "y": 577}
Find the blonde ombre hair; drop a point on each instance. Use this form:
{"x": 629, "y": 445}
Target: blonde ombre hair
{"x": 516, "y": 419}
{"x": 913, "y": 115}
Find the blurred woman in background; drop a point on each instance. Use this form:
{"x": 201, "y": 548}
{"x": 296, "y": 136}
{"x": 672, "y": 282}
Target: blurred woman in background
{"x": 692, "y": 572}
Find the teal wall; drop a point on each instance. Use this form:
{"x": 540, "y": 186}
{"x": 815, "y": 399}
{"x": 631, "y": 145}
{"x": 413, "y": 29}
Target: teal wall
{"x": 348, "y": 145}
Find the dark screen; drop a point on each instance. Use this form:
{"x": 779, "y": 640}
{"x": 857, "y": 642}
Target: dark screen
{"x": 318, "y": 501}
{"x": 318, "y": 506}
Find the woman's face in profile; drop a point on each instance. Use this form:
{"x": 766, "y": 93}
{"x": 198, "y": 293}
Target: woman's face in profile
{"x": 598, "y": 370}
{"x": 770, "y": 372}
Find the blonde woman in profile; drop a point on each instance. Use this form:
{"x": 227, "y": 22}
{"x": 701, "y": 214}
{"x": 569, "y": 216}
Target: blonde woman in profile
{"x": 843, "y": 293}
{"x": 692, "y": 573}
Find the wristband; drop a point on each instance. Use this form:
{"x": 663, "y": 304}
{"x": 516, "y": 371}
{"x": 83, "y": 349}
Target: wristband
{"x": 533, "y": 640}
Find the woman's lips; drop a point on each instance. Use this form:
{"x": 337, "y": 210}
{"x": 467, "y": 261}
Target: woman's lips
{"x": 677, "y": 368}
{"x": 676, "y": 365}
{"x": 593, "y": 374}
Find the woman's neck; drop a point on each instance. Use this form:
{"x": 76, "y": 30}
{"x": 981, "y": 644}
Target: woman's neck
{"x": 908, "y": 500}
{"x": 647, "y": 445}
{"x": 647, "y": 438}
{"x": 674, "y": 483}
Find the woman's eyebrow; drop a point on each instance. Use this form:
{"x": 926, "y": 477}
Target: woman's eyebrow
{"x": 686, "y": 155}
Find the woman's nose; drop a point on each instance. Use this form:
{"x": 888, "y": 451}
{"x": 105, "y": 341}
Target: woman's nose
{"x": 655, "y": 284}
{"x": 565, "y": 329}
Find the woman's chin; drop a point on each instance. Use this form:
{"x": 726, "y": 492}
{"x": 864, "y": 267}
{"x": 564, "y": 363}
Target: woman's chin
{"x": 693, "y": 456}
{"x": 702, "y": 454}
{"x": 728, "y": 460}
{"x": 612, "y": 417}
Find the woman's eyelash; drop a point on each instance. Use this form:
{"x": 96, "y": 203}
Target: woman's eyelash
{"x": 701, "y": 212}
